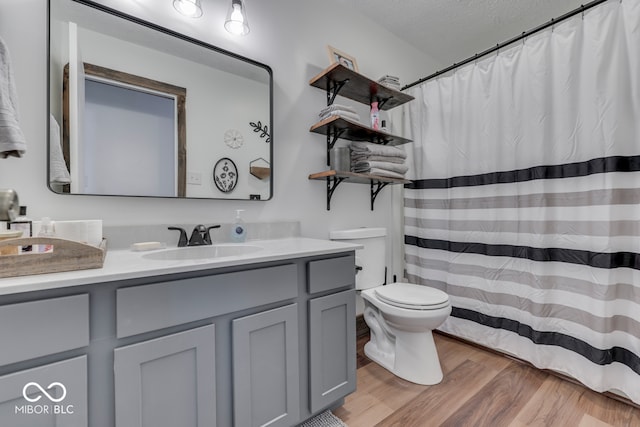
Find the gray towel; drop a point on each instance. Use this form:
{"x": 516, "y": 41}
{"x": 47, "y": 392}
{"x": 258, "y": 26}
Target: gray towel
{"x": 377, "y": 149}
{"x": 384, "y": 172}
{"x": 12, "y": 142}
{"x": 363, "y": 157}
{"x": 368, "y": 166}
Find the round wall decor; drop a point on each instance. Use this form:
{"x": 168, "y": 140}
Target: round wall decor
{"x": 233, "y": 138}
{"x": 225, "y": 175}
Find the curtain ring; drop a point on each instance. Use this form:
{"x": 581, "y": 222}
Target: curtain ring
{"x": 582, "y": 7}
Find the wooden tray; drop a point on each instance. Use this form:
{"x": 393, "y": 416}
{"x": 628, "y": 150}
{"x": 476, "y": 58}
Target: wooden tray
{"x": 67, "y": 255}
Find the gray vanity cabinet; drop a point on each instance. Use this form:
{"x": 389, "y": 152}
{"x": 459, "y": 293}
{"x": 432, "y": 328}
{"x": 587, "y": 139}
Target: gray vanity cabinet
{"x": 260, "y": 344}
{"x": 168, "y": 381}
{"x": 266, "y": 387}
{"x": 332, "y": 351}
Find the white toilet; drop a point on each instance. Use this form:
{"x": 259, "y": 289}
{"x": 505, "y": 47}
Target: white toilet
{"x": 400, "y": 316}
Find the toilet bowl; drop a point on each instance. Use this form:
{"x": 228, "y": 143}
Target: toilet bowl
{"x": 400, "y": 316}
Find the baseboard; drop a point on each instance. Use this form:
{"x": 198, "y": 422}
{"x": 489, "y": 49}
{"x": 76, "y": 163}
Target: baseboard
{"x": 361, "y": 326}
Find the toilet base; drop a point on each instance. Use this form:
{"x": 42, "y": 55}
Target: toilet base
{"x": 415, "y": 358}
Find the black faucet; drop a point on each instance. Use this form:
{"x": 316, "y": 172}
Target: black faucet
{"x": 199, "y": 237}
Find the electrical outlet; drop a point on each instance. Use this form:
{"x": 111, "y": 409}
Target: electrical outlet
{"x": 194, "y": 178}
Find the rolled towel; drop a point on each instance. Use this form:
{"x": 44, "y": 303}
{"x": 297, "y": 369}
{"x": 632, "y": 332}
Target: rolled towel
{"x": 12, "y": 141}
{"x": 377, "y": 149}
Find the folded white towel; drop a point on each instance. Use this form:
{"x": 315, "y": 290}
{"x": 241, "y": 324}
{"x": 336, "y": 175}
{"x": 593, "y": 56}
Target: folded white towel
{"x": 58, "y": 172}
{"x": 384, "y": 172}
{"x": 346, "y": 114}
{"x": 334, "y": 107}
{"x": 12, "y": 141}
{"x": 377, "y": 149}
{"x": 368, "y": 166}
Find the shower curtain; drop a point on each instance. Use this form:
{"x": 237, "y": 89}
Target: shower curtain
{"x": 525, "y": 205}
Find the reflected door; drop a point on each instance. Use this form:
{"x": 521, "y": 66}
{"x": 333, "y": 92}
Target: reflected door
{"x": 141, "y": 149}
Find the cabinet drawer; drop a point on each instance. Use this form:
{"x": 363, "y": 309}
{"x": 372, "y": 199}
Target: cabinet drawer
{"x": 333, "y": 273}
{"x": 38, "y": 328}
{"x": 150, "y": 307}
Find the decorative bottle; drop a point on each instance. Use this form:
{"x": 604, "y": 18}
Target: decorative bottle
{"x": 375, "y": 116}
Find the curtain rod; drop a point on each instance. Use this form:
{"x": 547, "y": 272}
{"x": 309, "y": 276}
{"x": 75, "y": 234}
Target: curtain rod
{"x": 499, "y": 46}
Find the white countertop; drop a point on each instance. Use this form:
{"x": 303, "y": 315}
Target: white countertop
{"x": 127, "y": 264}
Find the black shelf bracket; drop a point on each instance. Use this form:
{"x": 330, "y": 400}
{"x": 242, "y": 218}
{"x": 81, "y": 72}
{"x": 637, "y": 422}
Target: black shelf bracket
{"x": 375, "y": 189}
{"x": 333, "y": 88}
{"x": 381, "y": 102}
{"x": 332, "y": 184}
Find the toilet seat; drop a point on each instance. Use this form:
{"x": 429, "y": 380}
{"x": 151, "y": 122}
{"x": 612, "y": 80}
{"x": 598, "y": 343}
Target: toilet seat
{"x": 413, "y": 297}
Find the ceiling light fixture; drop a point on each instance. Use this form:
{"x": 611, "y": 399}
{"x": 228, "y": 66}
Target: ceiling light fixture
{"x": 190, "y": 8}
{"x": 236, "y": 22}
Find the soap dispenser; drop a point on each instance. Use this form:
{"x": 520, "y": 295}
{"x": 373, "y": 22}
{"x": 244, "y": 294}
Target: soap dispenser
{"x": 238, "y": 229}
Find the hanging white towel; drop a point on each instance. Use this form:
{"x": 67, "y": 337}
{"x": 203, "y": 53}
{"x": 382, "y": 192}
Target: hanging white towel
{"x": 58, "y": 172}
{"x": 12, "y": 142}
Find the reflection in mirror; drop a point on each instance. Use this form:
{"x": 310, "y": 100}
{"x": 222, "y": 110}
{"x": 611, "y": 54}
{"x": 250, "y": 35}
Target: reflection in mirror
{"x": 149, "y": 112}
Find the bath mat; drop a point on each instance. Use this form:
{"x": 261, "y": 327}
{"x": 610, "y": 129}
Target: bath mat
{"x": 325, "y": 419}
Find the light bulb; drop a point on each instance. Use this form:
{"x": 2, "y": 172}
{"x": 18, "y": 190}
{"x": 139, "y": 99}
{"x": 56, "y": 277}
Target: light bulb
{"x": 190, "y": 8}
{"x": 236, "y": 20}
{"x": 236, "y": 15}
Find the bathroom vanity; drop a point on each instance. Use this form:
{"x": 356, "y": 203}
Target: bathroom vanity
{"x": 262, "y": 338}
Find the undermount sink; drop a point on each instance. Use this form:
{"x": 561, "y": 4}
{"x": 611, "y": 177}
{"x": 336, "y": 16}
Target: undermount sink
{"x": 203, "y": 252}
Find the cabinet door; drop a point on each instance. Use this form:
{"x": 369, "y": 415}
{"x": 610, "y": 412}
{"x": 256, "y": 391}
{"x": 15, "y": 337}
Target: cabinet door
{"x": 266, "y": 386}
{"x": 168, "y": 381}
{"x": 49, "y": 395}
{"x": 332, "y": 348}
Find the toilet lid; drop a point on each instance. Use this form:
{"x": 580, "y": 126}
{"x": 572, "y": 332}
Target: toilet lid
{"x": 417, "y": 297}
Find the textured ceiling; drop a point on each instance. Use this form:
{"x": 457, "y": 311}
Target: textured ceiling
{"x": 452, "y": 30}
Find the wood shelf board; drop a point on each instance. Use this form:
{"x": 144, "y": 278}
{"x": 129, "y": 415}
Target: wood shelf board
{"x": 360, "y": 88}
{"x": 355, "y": 131}
{"x": 360, "y": 178}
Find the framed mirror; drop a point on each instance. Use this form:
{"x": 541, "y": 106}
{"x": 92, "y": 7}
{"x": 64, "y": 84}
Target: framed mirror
{"x": 139, "y": 110}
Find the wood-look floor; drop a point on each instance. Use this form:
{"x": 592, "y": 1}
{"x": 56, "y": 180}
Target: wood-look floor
{"x": 480, "y": 388}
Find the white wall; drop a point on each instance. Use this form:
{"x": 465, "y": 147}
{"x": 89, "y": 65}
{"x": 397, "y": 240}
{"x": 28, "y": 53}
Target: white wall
{"x": 288, "y": 35}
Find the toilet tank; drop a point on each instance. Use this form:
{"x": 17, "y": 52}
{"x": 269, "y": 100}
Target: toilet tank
{"x": 371, "y": 258}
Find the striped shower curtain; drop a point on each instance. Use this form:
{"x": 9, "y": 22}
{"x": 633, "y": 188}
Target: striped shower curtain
{"x": 525, "y": 207}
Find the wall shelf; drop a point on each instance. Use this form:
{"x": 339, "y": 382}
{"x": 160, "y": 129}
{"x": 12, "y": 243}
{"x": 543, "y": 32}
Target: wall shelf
{"x": 335, "y": 178}
{"x": 340, "y": 127}
{"x": 339, "y": 80}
